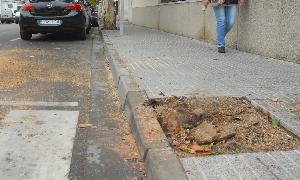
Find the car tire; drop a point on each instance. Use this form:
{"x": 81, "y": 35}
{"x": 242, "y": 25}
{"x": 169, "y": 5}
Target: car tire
{"x": 2, "y": 21}
{"x": 25, "y": 35}
{"x": 82, "y": 35}
{"x": 17, "y": 22}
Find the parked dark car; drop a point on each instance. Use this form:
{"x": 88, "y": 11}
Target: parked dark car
{"x": 50, "y": 16}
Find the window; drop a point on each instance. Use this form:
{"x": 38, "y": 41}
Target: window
{"x": 10, "y": 6}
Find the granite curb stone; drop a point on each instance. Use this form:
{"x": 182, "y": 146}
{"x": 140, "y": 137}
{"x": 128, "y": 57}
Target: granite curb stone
{"x": 117, "y": 68}
{"x": 126, "y": 84}
{"x": 144, "y": 143}
{"x": 161, "y": 161}
{"x": 160, "y": 165}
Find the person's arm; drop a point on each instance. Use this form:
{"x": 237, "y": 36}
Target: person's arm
{"x": 242, "y": 2}
{"x": 205, "y": 3}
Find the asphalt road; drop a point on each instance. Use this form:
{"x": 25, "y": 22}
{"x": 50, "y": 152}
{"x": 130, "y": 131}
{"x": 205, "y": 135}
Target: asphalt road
{"x": 59, "y": 116}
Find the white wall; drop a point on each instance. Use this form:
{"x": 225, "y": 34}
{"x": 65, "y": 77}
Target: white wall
{"x": 144, "y": 3}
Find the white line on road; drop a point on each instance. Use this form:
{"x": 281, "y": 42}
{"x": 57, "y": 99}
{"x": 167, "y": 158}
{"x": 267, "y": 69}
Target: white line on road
{"x": 14, "y": 39}
{"x": 37, "y": 103}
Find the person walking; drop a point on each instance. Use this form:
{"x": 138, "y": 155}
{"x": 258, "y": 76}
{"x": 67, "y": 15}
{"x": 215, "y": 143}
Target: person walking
{"x": 225, "y": 14}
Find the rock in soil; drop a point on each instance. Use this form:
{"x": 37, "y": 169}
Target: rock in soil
{"x": 226, "y": 132}
{"x": 207, "y": 133}
{"x": 187, "y": 120}
{"x": 180, "y": 118}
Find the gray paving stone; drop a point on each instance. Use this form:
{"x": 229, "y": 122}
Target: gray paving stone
{"x": 274, "y": 165}
{"x": 286, "y": 163}
{"x": 195, "y": 175}
{"x": 222, "y": 166}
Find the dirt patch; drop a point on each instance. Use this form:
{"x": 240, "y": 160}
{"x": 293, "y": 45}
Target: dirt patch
{"x": 213, "y": 125}
{"x": 17, "y": 69}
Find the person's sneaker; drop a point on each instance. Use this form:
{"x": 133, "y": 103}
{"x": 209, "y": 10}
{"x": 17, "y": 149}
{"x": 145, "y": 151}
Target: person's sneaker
{"x": 221, "y": 49}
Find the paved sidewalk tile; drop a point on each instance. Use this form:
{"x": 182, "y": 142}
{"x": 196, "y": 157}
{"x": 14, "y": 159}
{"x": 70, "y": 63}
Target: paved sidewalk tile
{"x": 273, "y": 165}
{"x": 166, "y": 64}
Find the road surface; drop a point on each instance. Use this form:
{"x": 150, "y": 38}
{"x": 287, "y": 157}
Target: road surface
{"x": 59, "y": 115}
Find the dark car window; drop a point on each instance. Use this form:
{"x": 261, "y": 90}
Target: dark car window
{"x": 36, "y": 1}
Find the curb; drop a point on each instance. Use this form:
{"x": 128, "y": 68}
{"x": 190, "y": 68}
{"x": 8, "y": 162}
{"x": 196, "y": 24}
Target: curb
{"x": 161, "y": 163}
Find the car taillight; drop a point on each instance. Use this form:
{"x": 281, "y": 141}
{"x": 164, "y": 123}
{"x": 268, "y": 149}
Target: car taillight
{"x": 75, "y": 7}
{"x": 27, "y": 7}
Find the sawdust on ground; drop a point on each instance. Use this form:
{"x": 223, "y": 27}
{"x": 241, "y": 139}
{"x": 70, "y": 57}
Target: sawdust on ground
{"x": 17, "y": 69}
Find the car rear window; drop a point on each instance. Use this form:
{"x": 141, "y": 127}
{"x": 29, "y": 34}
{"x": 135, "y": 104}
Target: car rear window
{"x": 36, "y": 1}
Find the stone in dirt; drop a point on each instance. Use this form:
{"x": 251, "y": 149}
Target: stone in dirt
{"x": 170, "y": 122}
{"x": 187, "y": 119}
{"x": 207, "y": 133}
{"x": 226, "y": 132}
{"x": 180, "y": 118}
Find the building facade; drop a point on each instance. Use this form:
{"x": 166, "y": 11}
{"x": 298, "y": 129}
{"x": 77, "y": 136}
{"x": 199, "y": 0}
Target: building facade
{"x": 264, "y": 27}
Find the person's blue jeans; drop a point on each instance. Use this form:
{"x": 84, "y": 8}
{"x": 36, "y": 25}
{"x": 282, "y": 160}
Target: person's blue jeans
{"x": 225, "y": 16}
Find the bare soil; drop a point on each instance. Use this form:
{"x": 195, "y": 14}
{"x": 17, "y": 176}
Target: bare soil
{"x": 17, "y": 69}
{"x": 215, "y": 125}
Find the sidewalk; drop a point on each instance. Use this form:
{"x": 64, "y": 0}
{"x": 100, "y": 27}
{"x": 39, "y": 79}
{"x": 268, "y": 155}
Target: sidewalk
{"x": 164, "y": 64}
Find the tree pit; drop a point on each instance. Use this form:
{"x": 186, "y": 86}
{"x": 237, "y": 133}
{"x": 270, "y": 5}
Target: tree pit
{"x": 219, "y": 125}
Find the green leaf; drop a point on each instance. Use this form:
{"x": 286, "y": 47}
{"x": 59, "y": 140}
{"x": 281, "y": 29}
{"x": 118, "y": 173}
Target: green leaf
{"x": 184, "y": 148}
{"x": 206, "y": 145}
{"x": 275, "y": 123}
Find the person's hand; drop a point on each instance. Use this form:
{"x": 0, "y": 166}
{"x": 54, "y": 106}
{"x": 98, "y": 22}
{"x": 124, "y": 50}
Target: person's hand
{"x": 242, "y": 2}
{"x": 205, "y": 3}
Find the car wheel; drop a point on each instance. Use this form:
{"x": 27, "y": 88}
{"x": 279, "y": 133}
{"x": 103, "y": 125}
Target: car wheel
{"x": 25, "y": 35}
{"x": 82, "y": 35}
{"x": 17, "y": 22}
{"x": 2, "y": 21}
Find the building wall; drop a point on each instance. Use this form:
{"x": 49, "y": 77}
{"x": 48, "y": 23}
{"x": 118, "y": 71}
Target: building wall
{"x": 145, "y": 13}
{"x": 129, "y": 9}
{"x": 188, "y": 19}
{"x": 145, "y": 3}
{"x": 268, "y": 28}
